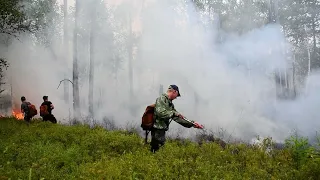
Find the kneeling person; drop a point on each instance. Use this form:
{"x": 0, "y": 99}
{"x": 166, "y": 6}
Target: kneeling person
{"x": 46, "y": 110}
{"x": 25, "y": 109}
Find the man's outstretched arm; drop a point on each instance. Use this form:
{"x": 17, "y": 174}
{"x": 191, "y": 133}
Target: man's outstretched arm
{"x": 183, "y": 122}
{"x": 186, "y": 123}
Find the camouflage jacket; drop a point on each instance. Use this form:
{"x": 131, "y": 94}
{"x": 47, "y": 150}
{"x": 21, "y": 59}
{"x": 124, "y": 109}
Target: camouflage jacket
{"x": 164, "y": 111}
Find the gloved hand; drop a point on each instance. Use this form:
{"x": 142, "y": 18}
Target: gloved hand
{"x": 197, "y": 125}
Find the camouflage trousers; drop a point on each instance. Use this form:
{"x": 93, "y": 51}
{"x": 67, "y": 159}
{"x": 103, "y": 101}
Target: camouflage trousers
{"x": 158, "y": 139}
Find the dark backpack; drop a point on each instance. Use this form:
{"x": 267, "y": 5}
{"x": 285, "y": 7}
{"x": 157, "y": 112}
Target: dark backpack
{"x": 148, "y": 120}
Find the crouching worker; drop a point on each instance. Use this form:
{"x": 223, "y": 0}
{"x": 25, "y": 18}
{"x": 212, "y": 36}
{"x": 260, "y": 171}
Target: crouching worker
{"x": 164, "y": 112}
{"x": 46, "y": 110}
{"x": 25, "y": 109}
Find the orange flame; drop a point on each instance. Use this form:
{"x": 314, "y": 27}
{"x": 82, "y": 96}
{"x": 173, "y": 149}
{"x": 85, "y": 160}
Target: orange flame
{"x": 17, "y": 114}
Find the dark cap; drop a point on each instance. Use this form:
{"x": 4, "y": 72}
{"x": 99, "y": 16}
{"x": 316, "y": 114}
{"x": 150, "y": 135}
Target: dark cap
{"x": 174, "y": 87}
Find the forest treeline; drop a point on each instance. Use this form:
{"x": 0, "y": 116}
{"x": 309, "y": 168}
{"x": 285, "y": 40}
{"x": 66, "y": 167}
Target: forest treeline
{"x": 90, "y": 22}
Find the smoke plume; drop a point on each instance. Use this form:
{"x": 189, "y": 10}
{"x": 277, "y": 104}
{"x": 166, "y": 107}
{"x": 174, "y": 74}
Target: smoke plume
{"x": 228, "y": 84}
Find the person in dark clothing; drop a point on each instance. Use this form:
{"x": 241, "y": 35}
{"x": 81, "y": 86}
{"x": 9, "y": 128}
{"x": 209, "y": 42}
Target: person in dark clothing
{"x": 25, "y": 109}
{"x": 48, "y": 117}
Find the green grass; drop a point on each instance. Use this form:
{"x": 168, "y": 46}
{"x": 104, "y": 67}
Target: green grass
{"x": 44, "y": 150}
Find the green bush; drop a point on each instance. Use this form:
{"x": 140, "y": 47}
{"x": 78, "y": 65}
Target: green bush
{"x": 44, "y": 150}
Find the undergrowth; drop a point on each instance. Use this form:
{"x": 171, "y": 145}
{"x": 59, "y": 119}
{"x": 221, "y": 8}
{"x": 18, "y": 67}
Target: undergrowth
{"x": 44, "y": 150}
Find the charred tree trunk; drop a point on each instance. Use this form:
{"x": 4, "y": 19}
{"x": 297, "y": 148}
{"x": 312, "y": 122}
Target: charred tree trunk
{"x": 66, "y": 50}
{"x": 76, "y": 100}
{"x": 91, "y": 72}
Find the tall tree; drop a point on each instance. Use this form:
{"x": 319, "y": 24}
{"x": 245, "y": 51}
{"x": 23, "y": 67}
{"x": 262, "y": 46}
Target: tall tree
{"x": 66, "y": 48}
{"x": 16, "y": 18}
{"x": 3, "y": 66}
{"x": 95, "y": 49}
{"x": 125, "y": 41}
{"x": 76, "y": 96}
{"x": 313, "y": 23}
{"x": 130, "y": 52}
{"x": 92, "y": 48}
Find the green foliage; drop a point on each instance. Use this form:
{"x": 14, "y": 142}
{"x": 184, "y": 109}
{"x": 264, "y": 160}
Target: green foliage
{"x": 44, "y": 150}
{"x": 12, "y": 19}
{"x": 299, "y": 148}
{"x": 299, "y": 20}
{"x": 18, "y": 16}
{"x": 47, "y": 19}
{"x": 3, "y": 66}
{"x": 29, "y": 16}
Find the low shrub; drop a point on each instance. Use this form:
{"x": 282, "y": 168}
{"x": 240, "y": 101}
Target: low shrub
{"x": 44, "y": 150}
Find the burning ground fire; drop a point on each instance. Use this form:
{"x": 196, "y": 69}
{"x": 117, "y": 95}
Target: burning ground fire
{"x": 17, "y": 114}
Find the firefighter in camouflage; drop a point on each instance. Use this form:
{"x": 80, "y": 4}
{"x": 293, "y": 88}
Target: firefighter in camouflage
{"x": 163, "y": 114}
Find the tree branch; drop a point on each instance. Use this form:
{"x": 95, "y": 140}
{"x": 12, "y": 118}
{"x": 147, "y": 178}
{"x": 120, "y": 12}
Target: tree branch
{"x": 64, "y": 80}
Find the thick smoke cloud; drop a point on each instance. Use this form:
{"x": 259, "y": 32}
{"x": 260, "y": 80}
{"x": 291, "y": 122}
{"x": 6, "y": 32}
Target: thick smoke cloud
{"x": 227, "y": 85}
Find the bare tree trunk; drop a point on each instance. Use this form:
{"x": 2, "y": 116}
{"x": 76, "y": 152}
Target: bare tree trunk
{"x": 309, "y": 69}
{"x": 76, "y": 100}
{"x": 314, "y": 41}
{"x": 271, "y": 18}
{"x": 314, "y": 35}
{"x": 130, "y": 58}
{"x": 130, "y": 44}
{"x": 276, "y": 11}
{"x": 280, "y": 76}
{"x": 66, "y": 50}
{"x": 293, "y": 77}
{"x": 99, "y": 104}
{"x": 91, "y": 72}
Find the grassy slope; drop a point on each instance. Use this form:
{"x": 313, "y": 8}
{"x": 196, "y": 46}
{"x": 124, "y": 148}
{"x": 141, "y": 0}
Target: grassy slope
{"x": 53, "y": 151}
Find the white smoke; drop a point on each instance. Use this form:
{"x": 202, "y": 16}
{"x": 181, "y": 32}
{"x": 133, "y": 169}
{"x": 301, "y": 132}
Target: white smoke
{"x": 227, "y": 85}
